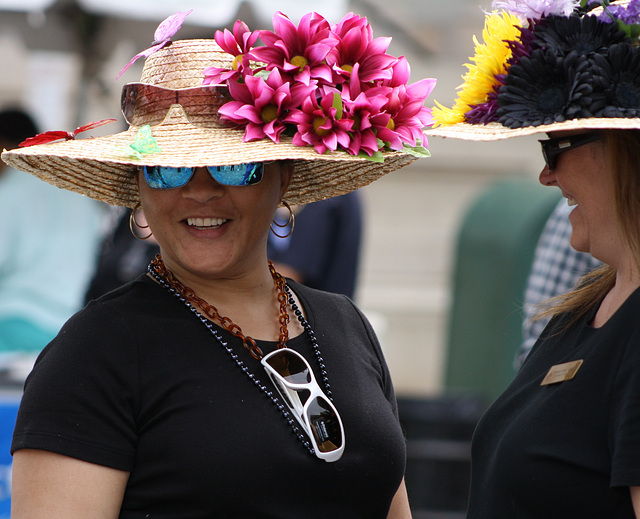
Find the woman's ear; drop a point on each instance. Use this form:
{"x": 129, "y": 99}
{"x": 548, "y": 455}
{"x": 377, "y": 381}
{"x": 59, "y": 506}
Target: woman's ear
{"x": 286, "y": 174}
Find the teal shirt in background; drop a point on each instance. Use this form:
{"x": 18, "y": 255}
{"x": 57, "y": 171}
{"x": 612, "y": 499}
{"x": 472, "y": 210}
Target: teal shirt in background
{"x": 49, "y": 240}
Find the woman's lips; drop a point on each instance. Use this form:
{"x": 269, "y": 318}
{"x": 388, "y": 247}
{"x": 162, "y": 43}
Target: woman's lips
{"x": 206, "y": 223}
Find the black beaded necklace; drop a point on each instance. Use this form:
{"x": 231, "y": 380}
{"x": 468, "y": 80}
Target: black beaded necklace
{"x": 152, "y": 269}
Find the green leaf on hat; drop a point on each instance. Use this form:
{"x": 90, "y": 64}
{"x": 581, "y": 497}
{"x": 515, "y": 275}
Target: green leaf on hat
{"x": 417, "y": 151}
{"x": 376, "y": 157}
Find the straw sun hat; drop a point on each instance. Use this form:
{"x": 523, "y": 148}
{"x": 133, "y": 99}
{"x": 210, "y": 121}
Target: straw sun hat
{"x": 562, "y": 68}
{"x": 103, "y": 168}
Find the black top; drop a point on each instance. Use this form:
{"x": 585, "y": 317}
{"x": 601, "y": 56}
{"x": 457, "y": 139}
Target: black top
{"x": 136, "y": 382}
{"x": 569, "y": 449}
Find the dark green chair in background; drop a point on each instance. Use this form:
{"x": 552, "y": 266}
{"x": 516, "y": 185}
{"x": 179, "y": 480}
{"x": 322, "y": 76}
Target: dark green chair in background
{"x": 495, "y": 248}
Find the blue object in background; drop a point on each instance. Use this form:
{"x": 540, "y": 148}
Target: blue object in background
{"x": 8, "y": 412}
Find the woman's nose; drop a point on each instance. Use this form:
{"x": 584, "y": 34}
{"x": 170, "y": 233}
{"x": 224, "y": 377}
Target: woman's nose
{"x": 548, "y": 177}
{"x": 202, "y": 186}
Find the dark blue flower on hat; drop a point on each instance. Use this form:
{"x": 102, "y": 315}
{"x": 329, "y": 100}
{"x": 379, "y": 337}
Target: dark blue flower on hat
{"x": 616, "y": 82}
{"x": 544, "y": 88}
{"x": 581, "y": 34}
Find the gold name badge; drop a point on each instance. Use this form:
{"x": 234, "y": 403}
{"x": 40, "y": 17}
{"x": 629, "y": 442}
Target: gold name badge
{"x": 562, "y": 372}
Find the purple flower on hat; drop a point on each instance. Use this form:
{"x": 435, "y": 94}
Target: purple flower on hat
{"x": 264, "y": 106}
{"x": 536, "y": 9}
{"x": 629, "y": 14}
{"x": 299, "y": 51}
{"x": 486, "y": 112}
{"x": 161, "y": 38}
{"x": 238, "y": 44}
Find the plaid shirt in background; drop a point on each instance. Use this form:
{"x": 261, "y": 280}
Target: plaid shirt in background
{"x": 556, "y": 269}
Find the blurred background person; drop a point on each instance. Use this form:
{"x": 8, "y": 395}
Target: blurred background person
{"x": 322, "y": 248}
{"x": 48, "y": 245}
{"x": 123, "y": 255}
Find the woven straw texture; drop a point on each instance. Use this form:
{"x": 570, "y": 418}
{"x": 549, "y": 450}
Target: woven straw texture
{"x": 103, "y": 168}
{"x": 496, "y": 131}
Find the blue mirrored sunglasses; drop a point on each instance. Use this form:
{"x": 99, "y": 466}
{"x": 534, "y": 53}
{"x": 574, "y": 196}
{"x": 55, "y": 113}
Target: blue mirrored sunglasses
{"x": 166, "y": 177}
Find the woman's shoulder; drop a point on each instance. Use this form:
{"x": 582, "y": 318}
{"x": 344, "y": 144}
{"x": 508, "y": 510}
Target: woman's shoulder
{"x": 140, "y": 296}
{"x": 141, "y": 287}
{"x": 320, "y": 300}
{"x": 114, "y": 312}
{"x": 316, "y": 295}
{"x": 331, "y": 309}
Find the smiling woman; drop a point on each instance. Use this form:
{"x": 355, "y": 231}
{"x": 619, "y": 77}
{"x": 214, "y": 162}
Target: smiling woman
{"x": 183, "y": 393}
{"x": 562, "y": 440}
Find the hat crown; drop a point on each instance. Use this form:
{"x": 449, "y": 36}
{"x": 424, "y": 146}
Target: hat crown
{"x": 181, "y": 63}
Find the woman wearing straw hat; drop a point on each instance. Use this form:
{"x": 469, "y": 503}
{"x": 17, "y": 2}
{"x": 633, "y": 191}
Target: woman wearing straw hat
{"x": 564, "y": 438}
{"x": 212, "y": 387}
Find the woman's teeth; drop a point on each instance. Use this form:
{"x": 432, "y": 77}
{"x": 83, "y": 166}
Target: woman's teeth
{"x": 205, "y": 222}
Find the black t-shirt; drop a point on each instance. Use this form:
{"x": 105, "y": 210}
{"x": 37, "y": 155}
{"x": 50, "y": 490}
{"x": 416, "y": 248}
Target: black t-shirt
{"x": 569, "y": 449}
{"x": 136, "y": 382}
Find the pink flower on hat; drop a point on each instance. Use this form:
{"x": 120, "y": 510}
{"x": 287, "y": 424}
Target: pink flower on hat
{"x": 264, "y": 107}
{"x": 365, "y": 109}
{"x": 321, "y": 125}
{"x": 300, "y": 51}
{"x": 330, "y": 87}
{"x": 237, "y": 44}
{"x": 357, "y": 45}
{"x": 405, "y": 106}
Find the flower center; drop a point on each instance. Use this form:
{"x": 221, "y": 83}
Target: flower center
{"x": 235, "y": 64}
{"x": 552, "y": 101}
{"x": 627, "y": 95}
{"x": 300, "y": 62}
{"x": 317, "y": 122}
{"x": 391, "y": 125}
{"x": 357, "y": 120}
{"x": 269, "y": 113}
{"x": 347, "y": 68}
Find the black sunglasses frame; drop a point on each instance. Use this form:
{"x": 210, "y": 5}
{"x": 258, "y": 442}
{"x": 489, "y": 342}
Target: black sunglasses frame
{"x": 553, "y": 148}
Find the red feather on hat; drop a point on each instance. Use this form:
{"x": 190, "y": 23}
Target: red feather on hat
{"x": 58, "y": 135}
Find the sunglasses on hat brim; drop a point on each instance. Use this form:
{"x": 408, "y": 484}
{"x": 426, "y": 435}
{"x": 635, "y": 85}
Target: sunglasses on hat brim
{"x": 143, "y": 104}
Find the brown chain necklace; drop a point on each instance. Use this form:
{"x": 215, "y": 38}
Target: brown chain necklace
{"x": 212, "y": 312}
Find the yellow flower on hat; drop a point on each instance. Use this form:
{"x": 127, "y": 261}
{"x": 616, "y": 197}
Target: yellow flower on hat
{"x": 489, "y": 60}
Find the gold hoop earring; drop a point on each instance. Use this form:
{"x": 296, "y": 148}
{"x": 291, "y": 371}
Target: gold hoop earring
{"x": 133, "y": 222}
{"x": 291, "y": 221}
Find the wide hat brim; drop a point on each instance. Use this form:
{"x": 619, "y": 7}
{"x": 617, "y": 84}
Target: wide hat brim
{"x": 104, "y": 168}
{"x": 496, "y": 131}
